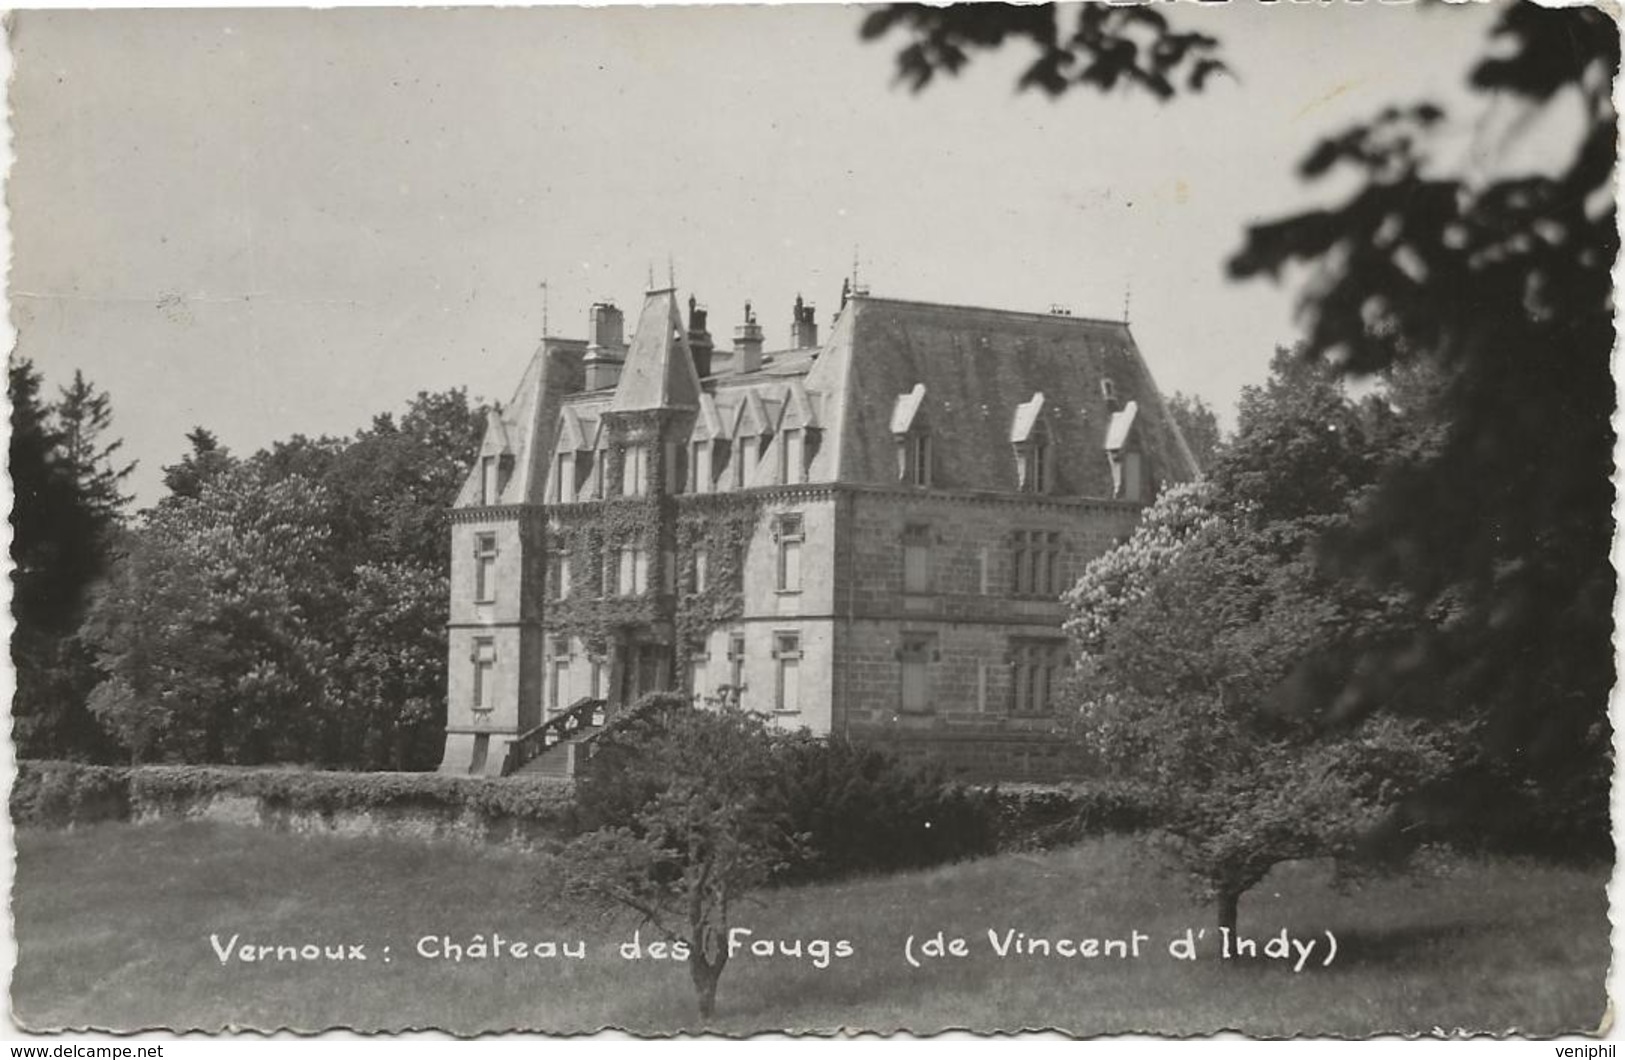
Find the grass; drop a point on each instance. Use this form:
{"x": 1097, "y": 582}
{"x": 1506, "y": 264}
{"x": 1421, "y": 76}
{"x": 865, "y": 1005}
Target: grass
{"x": 113, "y": 928}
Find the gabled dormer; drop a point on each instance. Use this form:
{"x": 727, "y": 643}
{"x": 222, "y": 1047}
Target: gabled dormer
{"x": 574, "y": 465}
{"x": 493, "y": 467}
{"x": 800, "y": 434}
{"x": 752, "y": 434}
{"x": 911, "y": 430}
{"x": 708, "y": 448}
{"x": 1030, "y": 443}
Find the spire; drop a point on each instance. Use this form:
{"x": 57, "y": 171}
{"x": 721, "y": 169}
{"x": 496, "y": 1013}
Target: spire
{"x": 659, "y": 369}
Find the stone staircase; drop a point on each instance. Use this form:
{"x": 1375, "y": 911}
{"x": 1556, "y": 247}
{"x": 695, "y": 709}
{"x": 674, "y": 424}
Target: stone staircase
{"x": 557, "y": 745}
{"x": 560, "y": 760}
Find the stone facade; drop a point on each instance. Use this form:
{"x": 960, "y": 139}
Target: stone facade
{"x": 867, "y": 536}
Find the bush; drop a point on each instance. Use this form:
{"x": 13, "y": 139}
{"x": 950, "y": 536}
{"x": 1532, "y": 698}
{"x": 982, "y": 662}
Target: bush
{"x": 59, "y": 794}
{"x": 1042, "y": 818}
{"x": 844, "y": 808}
{"x": 864, "y": 811}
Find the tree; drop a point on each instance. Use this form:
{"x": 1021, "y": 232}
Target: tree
{"x": 1117, "y": 579}
{"x": 214, "y": 631}
{"x": 84, "y": 414}
{"x": 66, "y": 515}
{"x": 206, "y": 462}
{"x": 1212, "y": 645}
{"x": 1499, "y": 282}
{"x": 291, "y": 606}
{"x": 1108, "y": 46}
{"x": 689, "y": 829}
{"x": 1199, "y": 424}
{"x": 1190, "y": 695}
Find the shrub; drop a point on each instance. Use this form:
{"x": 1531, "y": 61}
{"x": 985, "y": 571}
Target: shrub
{"x": 861, "y": 810}
{"x": 59, "y": 794}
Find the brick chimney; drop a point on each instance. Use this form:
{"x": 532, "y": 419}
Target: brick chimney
{"x": 748, "y": 343}
{"x": 804, "y": 329}
{"x": 606, "y": 346}
{"x": 699, "y": 339}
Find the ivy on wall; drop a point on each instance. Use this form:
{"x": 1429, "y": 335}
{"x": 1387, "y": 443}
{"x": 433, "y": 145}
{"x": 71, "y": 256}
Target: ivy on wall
{"x": 669, "y": 530}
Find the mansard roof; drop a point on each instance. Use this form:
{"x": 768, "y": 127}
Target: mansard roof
{"x": 979, "y": 380}
{"x": 659, "y": 368}
{"x": 977, "y": 367}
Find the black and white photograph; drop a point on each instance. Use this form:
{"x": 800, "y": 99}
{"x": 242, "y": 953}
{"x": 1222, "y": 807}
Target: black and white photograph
{"x": 830, "y": 520}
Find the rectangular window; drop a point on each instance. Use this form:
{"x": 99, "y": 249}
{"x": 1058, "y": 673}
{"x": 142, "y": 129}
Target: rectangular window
{"x": 794, "y": 458}
{"x": 787, "y": 656}
{"x": 699, "y": 468}
{"x": 674, "y": 471}
{"x": 1036, "y": 559}
{"x": 485, "y": 568}
{"x": 634, "y": 471}
{"x": 741, "y": 447}
{"x": 668, "y": 573}
{"x": 790, "y": 538}
{"x": 917, "y": 653}
{"x": 488, "y": 480}
{"x": 558, "y": 576}
{"x": 920, "y": 459}
{"x": 632, "y": 570}
{"x": 736, "y": 665}
{"x": 600, "y": 463}
{"x": 917, "y": 559}
{"x": 564, "y": 479}
{"x": 558, "y": 686}
{"x": 1036, "y": 669}
{"x": 701, "y": 580}
{"x": 485, "y": 662}
{"x": 596, "y": 679}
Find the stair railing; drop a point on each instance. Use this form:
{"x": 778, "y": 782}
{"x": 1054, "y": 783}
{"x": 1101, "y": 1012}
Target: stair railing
{"x": 584, "y": 713}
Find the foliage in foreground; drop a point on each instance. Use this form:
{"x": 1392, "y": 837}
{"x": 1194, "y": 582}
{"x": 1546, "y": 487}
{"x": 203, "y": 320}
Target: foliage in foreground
{"x": 693, "y": 811}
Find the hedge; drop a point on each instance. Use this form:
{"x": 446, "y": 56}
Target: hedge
{"x": 55, "y": 794}
{"x": 972, "y": 821}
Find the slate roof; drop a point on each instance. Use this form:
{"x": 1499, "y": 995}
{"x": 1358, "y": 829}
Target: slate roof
{"x": 989, "y": 378}
{"x": 978, "y": 366}
{"x": 659, "y": 368}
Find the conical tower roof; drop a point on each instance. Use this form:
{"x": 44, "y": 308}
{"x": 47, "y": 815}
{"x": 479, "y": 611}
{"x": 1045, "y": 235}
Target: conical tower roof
{"x": 659, "y": 369}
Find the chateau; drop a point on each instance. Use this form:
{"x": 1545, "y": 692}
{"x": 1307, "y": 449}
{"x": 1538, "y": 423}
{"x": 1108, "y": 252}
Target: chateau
{"x": 864, "y": 534}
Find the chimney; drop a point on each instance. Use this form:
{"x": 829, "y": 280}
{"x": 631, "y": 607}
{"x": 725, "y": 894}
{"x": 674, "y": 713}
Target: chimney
{"x": 606, "y": 346}
{"x": 699, "y": 339}
{"x": 804, "y": 329}
{"x": 748, "y": 343}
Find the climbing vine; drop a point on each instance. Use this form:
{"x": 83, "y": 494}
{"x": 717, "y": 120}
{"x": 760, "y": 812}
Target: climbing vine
{"x": 587, "y": 535}
{"x": 721, "y": 528}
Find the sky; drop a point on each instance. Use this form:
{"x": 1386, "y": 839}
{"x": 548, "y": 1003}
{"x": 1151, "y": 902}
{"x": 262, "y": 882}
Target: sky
{"x": 270, "y": 222}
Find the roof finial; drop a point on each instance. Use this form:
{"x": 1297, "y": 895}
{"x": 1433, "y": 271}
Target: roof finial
{"x": 671, "y": 272}
{"x": 1128, "y": 291}
{"x": 544, "y": 308}
{"x": 651, "y": 284}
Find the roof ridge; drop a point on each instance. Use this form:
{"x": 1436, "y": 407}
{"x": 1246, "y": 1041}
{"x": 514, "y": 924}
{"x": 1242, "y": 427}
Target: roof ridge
{"x": 1058, "y": 317}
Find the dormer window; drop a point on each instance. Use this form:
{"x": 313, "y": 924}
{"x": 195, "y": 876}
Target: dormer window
{"x": 914, "y": 459}
{"x": 913, "y": 436}
{"x": 699, "y": 467}
{"x": 490, "y": 489}
{"x": 1030, "y": 441}
{"x": 1123, "y": 450}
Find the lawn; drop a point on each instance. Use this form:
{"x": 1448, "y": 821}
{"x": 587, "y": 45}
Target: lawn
{"x": 114, "y": 926}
